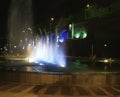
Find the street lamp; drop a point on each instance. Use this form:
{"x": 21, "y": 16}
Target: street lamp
{"x": 51, "y": 19}
{"x": 87, "y": 5}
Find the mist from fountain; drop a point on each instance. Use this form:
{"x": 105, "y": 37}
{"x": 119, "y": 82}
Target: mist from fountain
{"x": 20, "y": 21}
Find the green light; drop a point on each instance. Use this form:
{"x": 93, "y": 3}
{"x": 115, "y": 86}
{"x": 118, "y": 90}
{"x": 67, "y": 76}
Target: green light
{"x": 72, "y": 30}
{"x": 77, "y": 35}
{"x": 78, "y": 32}
{"x": 81, "y": 34}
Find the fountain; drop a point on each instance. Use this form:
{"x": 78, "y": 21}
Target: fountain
{"x": 42, "y": 49}
{"x": 47, "y": 51}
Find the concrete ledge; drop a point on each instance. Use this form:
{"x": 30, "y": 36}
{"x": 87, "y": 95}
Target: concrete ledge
{"x": 61, "y": 79}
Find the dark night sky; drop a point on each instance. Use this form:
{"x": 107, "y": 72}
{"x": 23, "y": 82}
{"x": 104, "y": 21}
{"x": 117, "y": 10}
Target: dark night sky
{"x": 44, "y": 9}
{"x": 58, "y": 8}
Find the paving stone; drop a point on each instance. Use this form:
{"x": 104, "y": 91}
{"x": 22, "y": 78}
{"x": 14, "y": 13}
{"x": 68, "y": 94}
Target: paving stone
{"x": 98, "y": 91}
{"x": 37, "y": 88}
{"x": 51, "y": 90}
{"x": 25, "y": 90}
{"x": 83, "y": 91}
{"x": 66, "y": 90}
{"x": 117, "y": 87}
{"x": 112, "y": 91}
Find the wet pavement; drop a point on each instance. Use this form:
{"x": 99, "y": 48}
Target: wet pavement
{"x": 27, "y": 90}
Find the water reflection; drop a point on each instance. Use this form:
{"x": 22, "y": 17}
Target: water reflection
{"x": 72, "y": 67}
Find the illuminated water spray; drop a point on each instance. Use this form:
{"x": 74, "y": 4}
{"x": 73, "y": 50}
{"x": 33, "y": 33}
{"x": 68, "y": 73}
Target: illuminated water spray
{"x": 20, "y": 21}
{"x": 47, "y": 50}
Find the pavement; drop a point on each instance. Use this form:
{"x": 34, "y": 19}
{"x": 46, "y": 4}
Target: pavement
{"x": 14, "y": 89}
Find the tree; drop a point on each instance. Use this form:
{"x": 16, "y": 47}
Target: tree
{"x": 115, "y": 7}
{"x": 94, "y": 10}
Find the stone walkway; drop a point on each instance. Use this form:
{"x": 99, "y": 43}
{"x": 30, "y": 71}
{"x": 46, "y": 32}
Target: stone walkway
{"x": 27, "y": 90}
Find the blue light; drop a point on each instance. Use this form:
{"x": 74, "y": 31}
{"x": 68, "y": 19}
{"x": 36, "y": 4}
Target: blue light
{"x": 49, "y": 53}
{"x": 63, "y": 35}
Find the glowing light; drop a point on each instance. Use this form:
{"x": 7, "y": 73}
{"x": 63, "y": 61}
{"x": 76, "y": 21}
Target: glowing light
{"x": 106, "y": 60}
{"x": 105, "y": 45}
{"x": 62, "y": 65}
{"x": 29, "y": 44}
{"x": 15, "y": 46}
{"x": 52, "y": 19}
{"x": 31, "y": 60}
{"x": 80, "y": 33}
{"x": 61, "y": 40}
{"x": 63, "y": 35}
{"x": 6, "y": 49}
{"x": 88, "y": 5}
{"x": 23, "y": 47}
{"x": 70, "y": 26}
{"x": 41, "y": 64}
{"x": 77, "y": 35}
{"x": 28, "y": 68}
{"x": 84, "y": 35}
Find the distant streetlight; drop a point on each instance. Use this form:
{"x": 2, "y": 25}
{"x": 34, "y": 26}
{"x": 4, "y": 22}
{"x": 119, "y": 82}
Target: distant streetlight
{"x": 51, "y": 19}
{"x": 51, "y": 22}
{"x": 88, "y": 5}
{"x": 70, "y": 26}
{"x": 105, "y": 45}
